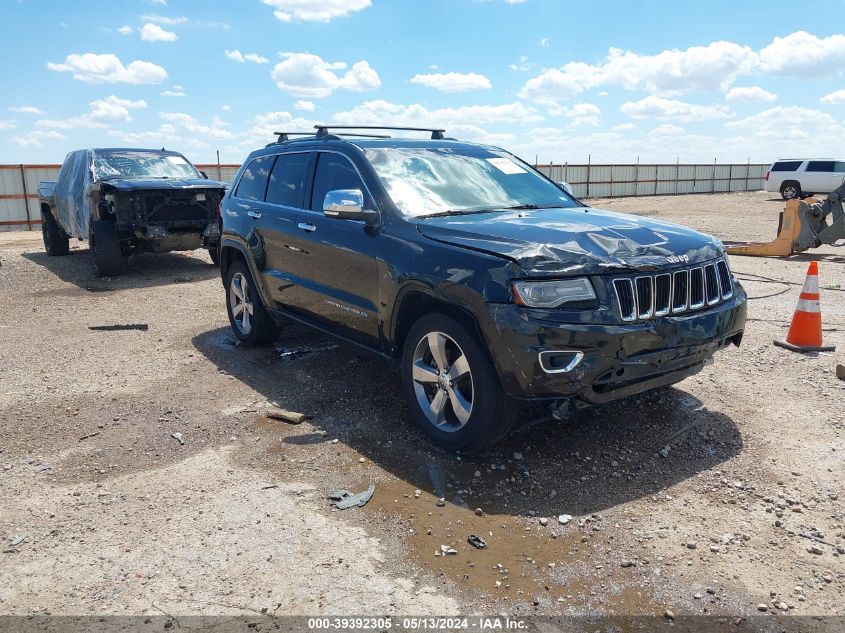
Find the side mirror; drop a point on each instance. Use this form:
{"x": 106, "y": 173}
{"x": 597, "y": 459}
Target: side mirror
{"x": 346, "y": 204}
{"x": 566, "y": 187}
{"x": 203, "y": 174}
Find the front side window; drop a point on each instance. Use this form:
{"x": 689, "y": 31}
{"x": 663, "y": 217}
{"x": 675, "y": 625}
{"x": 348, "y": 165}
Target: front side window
{"x": 254, "y": 179}
{"x": 133, "y": 164}
{"x": 285, "y": 184}
{"x": 435, "y": 180}
{"x": 333, "y": 172}
{"x": 839, "y": 167}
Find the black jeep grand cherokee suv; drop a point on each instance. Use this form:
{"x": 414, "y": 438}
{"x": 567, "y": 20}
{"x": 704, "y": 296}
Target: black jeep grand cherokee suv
{"x": 486, "y": 281}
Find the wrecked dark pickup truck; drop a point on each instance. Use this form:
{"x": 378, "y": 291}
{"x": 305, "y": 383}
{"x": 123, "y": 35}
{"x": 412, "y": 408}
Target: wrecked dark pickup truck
{"x": 128, "y": 200}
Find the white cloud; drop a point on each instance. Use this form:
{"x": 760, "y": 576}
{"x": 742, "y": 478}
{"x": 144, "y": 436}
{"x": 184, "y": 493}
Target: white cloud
{"x": 154, "y": 33}
{"x": 125, "y": 29}
{"x": 104, "y": 112}
{"x": 523, "y": 66}
{"x": 623, "y": 127}
{"x": 305, "y": 106}
{"x": 162, "y": 3}
{"x": 175, "y": 91}
{"x": 315, "y": 10}
{"x": 6, "y": 124}
{"x": 544, "y": 42}
{"x": 750, "y": 93}
{"x": 25, "y": 110}
{"x": 662, "y": 108}
{"x": 515, "y": 1}
{"x": 803, "y": 54}
{"x": 667, "y": 129}
{"x": 236, "y": 56}
{"x": 307, "y": 75}
{"x": 834, "y": 97}
{"x": 580, "y": 114}
{"x": 107, "y": 68}
{"x": 164, "y": 19}
{"x": 792, "y": 123}
{"x": 226, "y": 108}
{"x": 34, "y": 138}
{"x": 386, "y": 113}
{"x": 670, "y": 72}
{"x": 453, "y": 82}
{"x": 181, "y": 120}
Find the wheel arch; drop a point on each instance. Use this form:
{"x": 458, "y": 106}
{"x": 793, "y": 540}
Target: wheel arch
{"x": 232, "y": 251}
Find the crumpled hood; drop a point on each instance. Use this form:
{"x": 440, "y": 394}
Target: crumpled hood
{"x": 160, "y": 184}
{"x": 574, "y": 241}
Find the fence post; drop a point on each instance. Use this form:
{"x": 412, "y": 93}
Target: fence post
{"x": 677, "y": 172}
{"x": 589, "y": 157}
{"x": 25, "y": 198}
{"x": 566, "y": 171}
{"x": 730, "y": 177}
{"x": 219, "y": 172}
{"x": 637, "y": 177}
{"x": 747, "y": 173}
{"x": 611, "y": 181}
{"x": 713, "y": 178}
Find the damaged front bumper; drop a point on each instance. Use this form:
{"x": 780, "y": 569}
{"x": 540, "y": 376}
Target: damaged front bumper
{"x": 541, "y": 359}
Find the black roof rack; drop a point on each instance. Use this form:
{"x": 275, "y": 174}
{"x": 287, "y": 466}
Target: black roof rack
{"x": 323, "y": 130}
{"x": 284, "y": 137}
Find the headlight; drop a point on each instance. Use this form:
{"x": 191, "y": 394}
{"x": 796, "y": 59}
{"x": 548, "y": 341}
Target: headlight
{"x": 550, "y": 294}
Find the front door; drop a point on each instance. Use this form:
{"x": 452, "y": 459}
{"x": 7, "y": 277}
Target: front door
{"x": 337, "y": 272}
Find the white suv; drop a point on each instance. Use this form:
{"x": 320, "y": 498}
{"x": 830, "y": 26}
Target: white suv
{"x": 800, "y": 177}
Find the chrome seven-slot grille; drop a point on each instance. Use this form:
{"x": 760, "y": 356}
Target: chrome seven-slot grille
{"x": 647, "y": 296}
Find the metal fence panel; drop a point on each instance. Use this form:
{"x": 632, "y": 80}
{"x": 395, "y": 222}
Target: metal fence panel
{"x": 586, "y": 181}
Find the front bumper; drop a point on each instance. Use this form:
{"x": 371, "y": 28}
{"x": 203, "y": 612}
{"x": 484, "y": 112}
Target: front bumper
{"x": 618, "y": 360}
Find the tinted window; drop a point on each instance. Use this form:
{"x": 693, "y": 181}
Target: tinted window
{"x": 285, "y": 186}
{"x": 254, "y": 180}
{"x": 839, "y": 167}
{"x": 820, "y": 165}
{"x": 787, "y": 165}
{"x": 333, "y": 172}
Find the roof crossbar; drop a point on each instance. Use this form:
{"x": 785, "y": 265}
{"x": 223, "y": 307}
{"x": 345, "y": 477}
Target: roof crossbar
{"x": 323, "y": 130}
{"x": 285, "y": 136}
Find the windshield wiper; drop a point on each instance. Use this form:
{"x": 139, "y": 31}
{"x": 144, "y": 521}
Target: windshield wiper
{"x": 456, "y": 212}
{"x": 523, "y": 207}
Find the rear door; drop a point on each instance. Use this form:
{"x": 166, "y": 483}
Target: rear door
{"x": 838, "y": 174}
{"x": 819, "y": 177}
{"x": 337, "y": 268}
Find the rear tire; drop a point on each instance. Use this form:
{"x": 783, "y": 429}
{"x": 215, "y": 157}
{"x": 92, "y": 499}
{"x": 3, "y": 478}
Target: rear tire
{"x": 214, "y": 254}
{"x": 56, "y": 241}
{"x": 452, "y": 387}
{"x": 791, "y": 190}
{"x": 248, "y": 317}
{"x": 106, "y": 253}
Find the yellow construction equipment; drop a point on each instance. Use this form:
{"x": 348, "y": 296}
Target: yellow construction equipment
{"x": 803, "y": 225}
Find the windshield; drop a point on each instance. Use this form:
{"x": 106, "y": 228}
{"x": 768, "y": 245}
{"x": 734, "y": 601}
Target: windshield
{"x": 430, "y": 181}
{"x": 141, "y": 165}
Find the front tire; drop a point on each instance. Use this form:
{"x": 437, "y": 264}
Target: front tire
{"x": 452, "y": 387}
{"x": 250, "y": 321}
{"x": 106, "y": 252}
{"x": 56, "y": 241}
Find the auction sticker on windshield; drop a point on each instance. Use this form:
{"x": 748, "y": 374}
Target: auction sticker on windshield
{"x": 506, "y": 165}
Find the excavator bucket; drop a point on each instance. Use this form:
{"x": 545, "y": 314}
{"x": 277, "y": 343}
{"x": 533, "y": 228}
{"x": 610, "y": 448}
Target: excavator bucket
{"x": 789, "y": 227}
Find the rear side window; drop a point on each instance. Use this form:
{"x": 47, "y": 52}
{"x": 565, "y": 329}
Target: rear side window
{"x": 820, "y": 165}
{"x": 254, "y": 179}
{"x": 839, "y": 167}
{"x": 285, "y": 186}
{"x": 786, "y": 165}
{"x": 333, "y": 172}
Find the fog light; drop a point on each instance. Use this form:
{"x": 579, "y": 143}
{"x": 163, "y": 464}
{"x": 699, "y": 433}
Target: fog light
{"x": 560, "y": 362}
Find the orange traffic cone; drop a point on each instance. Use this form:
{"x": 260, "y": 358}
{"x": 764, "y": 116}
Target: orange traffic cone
{"x": 805, "y": 332}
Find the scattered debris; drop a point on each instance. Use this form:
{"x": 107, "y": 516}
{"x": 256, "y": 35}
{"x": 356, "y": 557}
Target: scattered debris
{"x": 343, "y": 499}
{"x": 17, "y": 540}
{"x": 445, "y": 550}
{"x": 178, "y": 437}
{"x": 479, "y": 512}
{"x": 85, "y": 437}
{"x": 476, "y": 541}
{"x": 840, "y": 372}
{"x": 517, "y": 456}
{"x": 544, "y": 521}
{"x": 815, "y": 549}
{"x": 270, "y": 487}
{"x": 628, "y": 563}
{"x": 668, "y": 615}
{"x": 440, "y": 502}
{"x": 291, "y": 417}
{"x": 563, "y": 519}
{"x": 142, "y": 327}
{"x": 664, "y": 452}
{"x": 40, "y": 468}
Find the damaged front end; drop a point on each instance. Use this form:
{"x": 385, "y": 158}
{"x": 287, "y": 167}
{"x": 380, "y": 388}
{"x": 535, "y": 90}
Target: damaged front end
{"x": 178, "y": 217}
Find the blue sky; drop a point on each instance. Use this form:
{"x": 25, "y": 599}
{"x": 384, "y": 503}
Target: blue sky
{"x": 559, "y": 80}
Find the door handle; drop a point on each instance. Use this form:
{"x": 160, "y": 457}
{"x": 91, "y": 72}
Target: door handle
{"x": 305, "y": 226}
{"x": 254, "y": 214}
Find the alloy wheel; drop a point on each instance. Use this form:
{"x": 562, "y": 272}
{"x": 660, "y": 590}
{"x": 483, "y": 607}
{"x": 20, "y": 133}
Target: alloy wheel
{"x": 442, "y": 381}
{"x": 241, "y": 303}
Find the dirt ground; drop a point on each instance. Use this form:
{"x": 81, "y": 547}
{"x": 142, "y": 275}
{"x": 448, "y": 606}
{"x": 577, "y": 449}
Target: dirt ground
{"x": 723, "y": 495}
